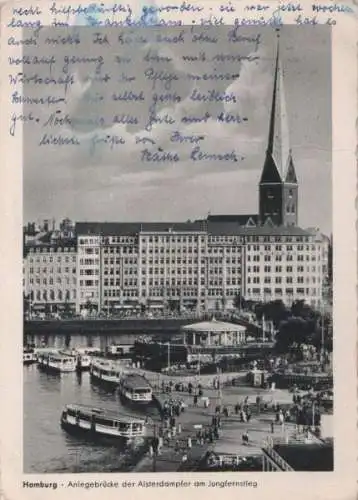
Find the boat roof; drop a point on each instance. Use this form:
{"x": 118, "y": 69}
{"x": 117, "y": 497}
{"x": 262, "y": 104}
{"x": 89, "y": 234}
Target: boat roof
{"x": 58, "y": 355}
{"x": 108, "y": 364}
{"x": 136, "y": 381}
{"x": 103, "y": 412}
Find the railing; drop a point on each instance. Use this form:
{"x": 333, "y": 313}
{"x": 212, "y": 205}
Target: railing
{"x": 271, "y": 453}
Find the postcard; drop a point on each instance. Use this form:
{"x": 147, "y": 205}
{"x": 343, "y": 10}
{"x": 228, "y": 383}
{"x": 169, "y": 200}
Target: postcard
{"x": 179, "y": 249}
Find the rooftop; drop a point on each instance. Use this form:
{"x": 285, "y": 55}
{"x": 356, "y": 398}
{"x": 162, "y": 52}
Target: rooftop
{"x": 133, "y": 228}
{"x": 228, "y": 228}
{"x": 214, "y": 326}
{"x": 242, "y": 220}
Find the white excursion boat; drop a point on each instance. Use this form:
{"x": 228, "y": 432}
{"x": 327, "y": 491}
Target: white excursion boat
{"x": 135, "y": 389}
{"x": 29, "y": 356}
{"x": 56, "y": 362}
{"x": 99, "y": 423}
{"x": 105, "y": 372}
{"x": 83, "y": 361}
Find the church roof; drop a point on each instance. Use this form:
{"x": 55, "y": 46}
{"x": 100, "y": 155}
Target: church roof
{"x": 291, "y": 177}
{"x": 270, "y": 173}
{"x": 278, "y": 149}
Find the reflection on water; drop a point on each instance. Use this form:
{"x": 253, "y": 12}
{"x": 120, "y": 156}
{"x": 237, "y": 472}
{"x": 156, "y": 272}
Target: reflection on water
{"x": 47, "y": 448}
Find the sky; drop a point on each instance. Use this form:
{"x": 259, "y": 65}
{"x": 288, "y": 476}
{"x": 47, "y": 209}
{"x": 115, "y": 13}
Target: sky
{"x": 105, "y": 184}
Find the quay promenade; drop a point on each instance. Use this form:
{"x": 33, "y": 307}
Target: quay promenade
{"x": 230, "y": 434}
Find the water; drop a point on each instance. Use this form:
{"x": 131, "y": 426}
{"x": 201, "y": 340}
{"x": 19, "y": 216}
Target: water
{"x": 47, "y": 448}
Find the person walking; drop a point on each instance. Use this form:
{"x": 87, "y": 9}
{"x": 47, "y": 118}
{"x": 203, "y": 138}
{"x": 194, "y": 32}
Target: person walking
{"x": 272, "y": 428}
{"x": 245, "y": 438}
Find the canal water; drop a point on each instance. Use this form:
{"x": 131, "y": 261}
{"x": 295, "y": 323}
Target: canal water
{"x": 47, "y": 448}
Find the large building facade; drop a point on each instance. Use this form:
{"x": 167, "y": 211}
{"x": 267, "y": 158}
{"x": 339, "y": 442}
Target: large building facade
{"x": 201, "y": 265}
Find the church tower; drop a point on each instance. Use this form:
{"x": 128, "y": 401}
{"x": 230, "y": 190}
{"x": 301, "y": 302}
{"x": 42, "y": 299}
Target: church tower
{"x": 278, "y": 188}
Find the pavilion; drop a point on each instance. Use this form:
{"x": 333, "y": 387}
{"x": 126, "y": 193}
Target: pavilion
{"x": 213, "y": 333}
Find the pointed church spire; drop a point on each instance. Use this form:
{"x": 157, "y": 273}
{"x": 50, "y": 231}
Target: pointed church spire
{"x": 291, "y": 177}
{"x": 278, "y": 142}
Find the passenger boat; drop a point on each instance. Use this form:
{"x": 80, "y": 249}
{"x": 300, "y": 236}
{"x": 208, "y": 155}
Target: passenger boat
{"x": 56, "y": 362}
{"x": 105, "y": 372}
{"x": 99, "y": 423}
{"x": 83, "y": 361}
{"x": 29, "y": 356}
{"x": 135, "y": 388}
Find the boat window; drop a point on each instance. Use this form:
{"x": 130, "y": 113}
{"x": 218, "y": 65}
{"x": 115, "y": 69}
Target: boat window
{"x": 142, "y": 391}
{"x": 85, "y": 417}
{"x": 137, "y": 427}
{"x": 71, "y": 412}
{"x": 124, "y": 426}
{"x": 104, "y": 421}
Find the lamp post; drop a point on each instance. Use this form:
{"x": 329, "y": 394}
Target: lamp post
{"x": 168, "y": 364}
{"x": 155, "y": 449}
{"x": 313, "y": 414}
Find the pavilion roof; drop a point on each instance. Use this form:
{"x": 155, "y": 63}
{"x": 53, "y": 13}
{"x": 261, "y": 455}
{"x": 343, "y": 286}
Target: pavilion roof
{"x": 214, "y": 326}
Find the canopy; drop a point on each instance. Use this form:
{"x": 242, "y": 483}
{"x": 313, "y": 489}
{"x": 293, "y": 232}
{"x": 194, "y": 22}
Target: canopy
{"x": 214, "y": 327}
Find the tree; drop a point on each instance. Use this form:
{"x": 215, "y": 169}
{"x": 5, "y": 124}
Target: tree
{"x": 173, "y": 305}
{"x": 275, "y": 311}
{"x": 239, "y": 302}
{"x": 292, "y": 334}
{"x": 66, "y": 308}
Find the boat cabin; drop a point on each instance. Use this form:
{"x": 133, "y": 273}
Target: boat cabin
{"x": 57, "y": 362}
{"x": 106, "y": 371}
{"x": 136, "y": 388}
{"x": 102, "y": 422}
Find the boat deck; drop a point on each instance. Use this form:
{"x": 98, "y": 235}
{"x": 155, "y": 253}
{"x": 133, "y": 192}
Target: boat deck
{"x": 112, "y": 414}
{"x": 135, "y": 381}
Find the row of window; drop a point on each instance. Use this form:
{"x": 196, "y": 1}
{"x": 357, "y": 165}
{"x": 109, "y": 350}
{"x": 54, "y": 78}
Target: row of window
{"x": 45, "y": 259}
{"x": 125, "y": 261}
{"x": 279, "y": 269}
{"x": 172, "y": 239}
{"x": 51, "y": 281}
{"x": 52, "y": 249}
{"x": 54, "y": 295}
{"x": 179, "y": 270}
{"x": 279, "y": 258}
{"x": 280, "y": 248}
{"x": 281, "y": 291}
{"x": 52, "y": 270}
{"x": 177, "y": 250}
{"x": 279, "y": 279}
